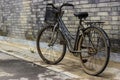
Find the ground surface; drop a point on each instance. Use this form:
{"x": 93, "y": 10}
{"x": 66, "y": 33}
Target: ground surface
{"x": 70, "y": 66}
{"x": 12, "y": 68}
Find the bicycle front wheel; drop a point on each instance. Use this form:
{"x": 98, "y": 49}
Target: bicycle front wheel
{"x": 50, "y": 54}
{"x": 95, "y": 50}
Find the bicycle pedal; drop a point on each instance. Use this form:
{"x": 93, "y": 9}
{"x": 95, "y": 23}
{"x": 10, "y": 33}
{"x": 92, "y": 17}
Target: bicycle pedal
{"x": 84, "y": 60}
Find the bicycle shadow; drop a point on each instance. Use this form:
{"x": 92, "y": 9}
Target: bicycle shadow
{"x": 107, "y": 75}
{"x": 75, "y": 68}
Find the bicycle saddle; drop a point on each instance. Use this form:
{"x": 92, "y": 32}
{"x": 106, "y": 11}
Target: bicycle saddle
{"x": 81, "y": 15}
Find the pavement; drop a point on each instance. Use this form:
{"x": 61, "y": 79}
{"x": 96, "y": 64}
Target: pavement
{"x": 12, "y": 68}
{"x": 69, "y": 66}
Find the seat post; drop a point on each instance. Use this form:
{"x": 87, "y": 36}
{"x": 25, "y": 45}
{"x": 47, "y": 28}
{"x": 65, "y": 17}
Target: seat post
{"x": 80, "y": 21}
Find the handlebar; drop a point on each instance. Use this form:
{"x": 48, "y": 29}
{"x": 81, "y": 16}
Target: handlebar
{"x": 52, "y": 5}
{"x": 64, "y": 4}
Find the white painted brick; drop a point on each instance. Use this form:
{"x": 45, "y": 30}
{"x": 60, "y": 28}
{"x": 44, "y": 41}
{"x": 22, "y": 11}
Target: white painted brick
{"x": 83, "y": 2}
{"x": 103, "y": 4}
{"x": 95, "y": 18}
{"x": 115, "y": 17}
{"x": 76, "y": 2}
{"x": 115, "y": 4}
{"x": 102, "y": 13}
{"x": 65, "y": 18}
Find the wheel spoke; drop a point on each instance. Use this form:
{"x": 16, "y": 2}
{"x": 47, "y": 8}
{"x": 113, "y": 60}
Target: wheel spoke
{"x": 48, "y": 46}
{"x": 96, "y": 51}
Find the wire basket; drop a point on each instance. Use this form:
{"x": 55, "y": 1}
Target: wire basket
{"x": 50, "y": 15}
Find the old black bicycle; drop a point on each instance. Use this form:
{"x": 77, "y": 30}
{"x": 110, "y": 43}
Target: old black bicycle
{"x": 91, "y": 44}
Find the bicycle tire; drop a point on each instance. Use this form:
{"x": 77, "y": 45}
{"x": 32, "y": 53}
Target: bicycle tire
{"x": 98, "y": 53}
{"x": 39, "y": 48}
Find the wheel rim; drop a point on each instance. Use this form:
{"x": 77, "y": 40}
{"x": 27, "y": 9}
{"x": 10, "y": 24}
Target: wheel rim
{"x": 95, "y": 52}
{"x": 51, "y": 54}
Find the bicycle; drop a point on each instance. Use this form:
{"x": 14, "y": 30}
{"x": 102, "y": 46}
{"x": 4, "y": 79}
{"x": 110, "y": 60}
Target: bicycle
{"x": 92, "y": 44}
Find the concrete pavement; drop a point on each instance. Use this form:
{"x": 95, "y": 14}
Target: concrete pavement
{"x": 12, "y": 68}
{"x": 69, "y": 66}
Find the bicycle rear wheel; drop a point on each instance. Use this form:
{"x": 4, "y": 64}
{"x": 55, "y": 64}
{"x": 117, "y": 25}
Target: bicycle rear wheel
{"x": 95, "y": 50}
{"x": 50, "y": 54}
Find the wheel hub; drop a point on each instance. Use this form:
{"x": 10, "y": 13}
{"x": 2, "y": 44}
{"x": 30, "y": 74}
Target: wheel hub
{"x": 92, "y": 51}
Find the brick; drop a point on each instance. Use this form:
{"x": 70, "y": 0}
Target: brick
{"x": 86, "y": 5}
{"x": 85, "y": 10}
{"x": 103, "y": 4}
{"x": 107, "y": 23}
{"x": 114, "y": 4}
{"x": 104, "y": 0}
{"x": 102, "y": 13}
{"x": 107, "y": 27}
{"x": 105, "y": 9}
{"x": 116, "y": 27}
{"x": 93, "y": 5}
{"x": 114, "y": 13}
{"x": 65, "y": 18}
{"x": 78, "y": 6}
{"x": 65, "y": 22}
{"x": 115, "y": 22}
{"x": 83, "y": 2}
{"x": 95, "y": 18}
{"x": 41, "y": 18}
{"x": 106, "y": 18}
{"x": 115, "y": 17}
{"x": 114, "y": 9}
{"x": 76, "y": 2}
{"x": 94, "y": 9}
{"x": 39, "y": 0}
{"x": 72, "y": 18}
{"x": 76, "y": 22}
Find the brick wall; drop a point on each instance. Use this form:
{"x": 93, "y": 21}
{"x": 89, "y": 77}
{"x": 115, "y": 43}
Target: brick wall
{"x": 21, "y": 18}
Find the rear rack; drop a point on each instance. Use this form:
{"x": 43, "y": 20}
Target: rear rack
{"x": 97, "y": 24}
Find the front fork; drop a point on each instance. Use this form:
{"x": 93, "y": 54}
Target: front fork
{"x": 54, "y": 35}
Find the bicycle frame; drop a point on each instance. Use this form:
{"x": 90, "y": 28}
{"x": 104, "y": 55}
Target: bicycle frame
{"x": 68, "y": 36}
{"x": 91, "y": 44}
